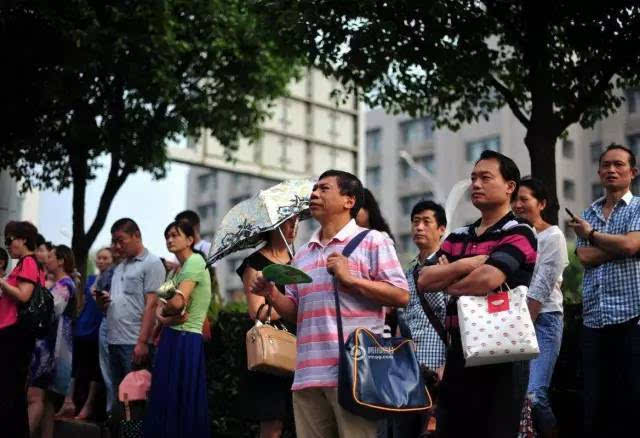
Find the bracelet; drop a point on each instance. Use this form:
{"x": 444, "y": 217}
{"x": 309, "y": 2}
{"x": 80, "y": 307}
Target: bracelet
{"x": 590, "y": 236}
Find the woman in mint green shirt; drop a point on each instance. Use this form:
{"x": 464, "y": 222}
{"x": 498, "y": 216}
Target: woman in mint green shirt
{"x": 178, "y": 398}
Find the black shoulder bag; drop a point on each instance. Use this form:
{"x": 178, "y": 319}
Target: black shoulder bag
{"x": 36, "y": 316}
{"x": 377, "y": 377}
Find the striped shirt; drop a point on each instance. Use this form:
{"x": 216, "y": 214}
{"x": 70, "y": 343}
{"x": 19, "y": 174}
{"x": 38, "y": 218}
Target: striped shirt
{"x": 611, "y": 291}
{"x": 510, "y": 244}
{"x": 317, "y": 350}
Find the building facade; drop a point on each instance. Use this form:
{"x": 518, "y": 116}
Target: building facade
{"x": 309, "y": 132}
{"x": 449, "y": 157}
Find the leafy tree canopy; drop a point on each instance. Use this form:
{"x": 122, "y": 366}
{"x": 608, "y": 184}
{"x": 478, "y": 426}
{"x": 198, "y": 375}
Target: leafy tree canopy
{"x": 554, "y": 63}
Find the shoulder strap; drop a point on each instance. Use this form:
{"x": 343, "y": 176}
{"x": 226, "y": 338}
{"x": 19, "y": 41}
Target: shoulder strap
{"x": 348, "y": 249}
{"x": 431, "y": 315}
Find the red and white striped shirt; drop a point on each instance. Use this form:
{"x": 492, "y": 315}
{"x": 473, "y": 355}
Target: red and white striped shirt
{"x": 374, "y": 259}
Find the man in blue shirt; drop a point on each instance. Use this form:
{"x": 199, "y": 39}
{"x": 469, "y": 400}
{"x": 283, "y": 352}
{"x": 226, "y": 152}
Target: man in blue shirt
{"x": 608, "y": 244}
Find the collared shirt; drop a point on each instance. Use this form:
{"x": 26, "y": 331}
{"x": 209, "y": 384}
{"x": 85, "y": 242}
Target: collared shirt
{"x": 611, "y": 291}
{"x": 430, "y": 350}
{"x": 510, "y": 244}
{"x": 132, "y": 280}
{"x": 317, "y": 343}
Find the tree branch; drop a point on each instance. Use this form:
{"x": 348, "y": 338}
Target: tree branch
{"x": 511, "y": 101}
{"x": 585, "y": 101}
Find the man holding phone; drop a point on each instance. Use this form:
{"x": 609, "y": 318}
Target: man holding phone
{"x": 608, "y": 244}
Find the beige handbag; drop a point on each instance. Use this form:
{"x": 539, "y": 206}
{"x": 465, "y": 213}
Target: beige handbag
{"x": 270, "y": 349}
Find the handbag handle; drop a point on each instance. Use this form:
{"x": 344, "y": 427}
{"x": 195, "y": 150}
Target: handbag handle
{"x": 268, "y": 316}
{"x": 348, "y": 249}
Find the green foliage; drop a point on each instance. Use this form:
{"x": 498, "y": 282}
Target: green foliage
{"x": 236, "y": 307}
{"x": 572, "y": 279}
{"x": 122, "y": 78}
{"x": 554, "y": 63}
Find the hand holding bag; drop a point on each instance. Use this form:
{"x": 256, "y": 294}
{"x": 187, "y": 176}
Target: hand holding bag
{"x": 497, "y": 328}
{"x": 378, "y": 377}
{"x": 270, "y": 349}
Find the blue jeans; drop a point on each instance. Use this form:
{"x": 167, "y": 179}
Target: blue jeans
{"x": 105, "y": 364}
{"x": 548, "y": 327}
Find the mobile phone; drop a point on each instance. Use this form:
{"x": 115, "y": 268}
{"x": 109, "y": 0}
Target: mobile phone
{"x": 569, "y": 213}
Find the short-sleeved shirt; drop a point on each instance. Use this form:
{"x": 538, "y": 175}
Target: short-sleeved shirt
{"x": 510, "y": 244}
{"x": 26, "y": 269}
{"x": 430, "y": 350}
{"x": 132, "y": 279}
{"x": 546, "y": 282}
{"x": 317, "y": 344}
{"x": 195, "y": 269}
{"x": 611, "y": 291}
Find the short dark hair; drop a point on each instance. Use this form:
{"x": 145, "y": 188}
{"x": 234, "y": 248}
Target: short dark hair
{"x": 40, "y": 240}
{"x": 64, "y": 253}
{"x": 4, "y": 257}
{"x": 438, "y": 211}
{"x": 612, "y": 146}
{"x": 376, "y": 220}
{"x": 127, "y": 225}
{"x": 508, "y": 168}
{"x": 538, "y": 190}
{"x": 22, "y": 230}
{"x": 189, "y": 216}
{"x": 349, "y": 185}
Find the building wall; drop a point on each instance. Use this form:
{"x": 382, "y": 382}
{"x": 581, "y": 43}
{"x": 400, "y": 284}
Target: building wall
{"x": 398, "y": 190}
{"x": 308, "y": 133}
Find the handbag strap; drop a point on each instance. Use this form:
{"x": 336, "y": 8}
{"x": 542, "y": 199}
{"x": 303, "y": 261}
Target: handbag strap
{"x": 431, "y": 315}
{"x": 348, "y": 249}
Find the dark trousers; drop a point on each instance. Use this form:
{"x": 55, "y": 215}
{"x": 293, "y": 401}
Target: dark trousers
{"x": 480, "y": 402}
{"x": 16, "y": 347}
{"x": 611, "y": 364}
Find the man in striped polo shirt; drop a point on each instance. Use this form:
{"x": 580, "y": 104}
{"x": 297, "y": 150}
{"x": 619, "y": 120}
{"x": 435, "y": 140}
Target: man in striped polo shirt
{"x": 370, "y": 279}
{"x": 483, "y": 401}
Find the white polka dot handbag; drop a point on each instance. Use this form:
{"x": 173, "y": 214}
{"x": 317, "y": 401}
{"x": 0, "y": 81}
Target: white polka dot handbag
{"x": 496, "y": 328}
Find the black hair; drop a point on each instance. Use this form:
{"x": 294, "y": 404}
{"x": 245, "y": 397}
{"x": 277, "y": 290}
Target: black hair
{"x": 64, "y": 253}
{"x": 508, "y": 169}
{"x": 538, "y": 190}
{"x": 189, "y": 216}
{"x": 127, "y": 225}
{"x": 437, "y": 209}
{"x": 188, "y": 230}
{"x": 40, "y": 240}
{"x": 48, "y": 245}
{"x": 349, "y": 185}
{"x": 376, "y": 220}
{"x": 4, "y": 257}
{"x": 22, "y": 230}
{"x": 612, "y": 146}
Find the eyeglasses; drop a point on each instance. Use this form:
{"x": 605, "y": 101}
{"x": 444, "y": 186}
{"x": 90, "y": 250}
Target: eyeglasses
{"x": 8, "y": 240}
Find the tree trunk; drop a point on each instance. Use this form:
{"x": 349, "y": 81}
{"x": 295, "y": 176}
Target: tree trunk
{"x": 542, "y": 148}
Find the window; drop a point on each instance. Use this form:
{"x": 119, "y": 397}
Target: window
{"x": 568, "y": 189}
{"x": 417, "y": 130}
{"x": 207, "y": 210}
{"x": 633, "y": 100}
{"x": 596, "y": 150}
{"x": 207, "y": 181}
{"x": 374, "y": 137}
{"x": 568, "y": 149}
{"x": 475, "y": 148}
{"x": 596, "y": 191}
{"x": 634, "y": 144}
{"x": 407, "y": 202}
{"x": 427, "y": 162}
{"x": 405, "y": 242}
{"x": 373, "y": 176}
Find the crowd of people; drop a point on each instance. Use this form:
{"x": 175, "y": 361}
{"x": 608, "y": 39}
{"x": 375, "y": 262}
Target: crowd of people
{"x": 117, "y": 323}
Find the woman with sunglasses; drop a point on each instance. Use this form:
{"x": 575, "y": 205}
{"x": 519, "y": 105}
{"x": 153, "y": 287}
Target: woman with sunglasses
{"x": 16, "y": 344}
